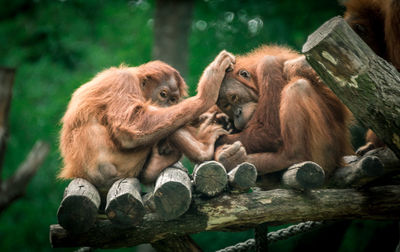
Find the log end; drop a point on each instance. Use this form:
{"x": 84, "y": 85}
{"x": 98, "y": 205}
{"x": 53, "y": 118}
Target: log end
{"x": 305, "y": 175}
{"x": 77, "y": 213}
{"x": 372, "y": 166}
{"x": 316, "y": 37}
{"x": 243, "y": 176}
{"x": 210, "y": 178}
{"x": 79, "y": 207}
{"x": 124, "y": 203}
{"x": 125, "y": 210}
{"x": 171, "y": 200}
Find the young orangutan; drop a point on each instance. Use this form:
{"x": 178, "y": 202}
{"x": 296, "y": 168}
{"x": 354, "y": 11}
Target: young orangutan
{"x": 115, "y": 122}
{"x": 282, "y": 112}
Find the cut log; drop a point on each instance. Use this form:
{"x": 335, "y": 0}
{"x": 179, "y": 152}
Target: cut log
{"x": 358, "y": 172}
{"x": 124, "y": 202}
{"x": 364, "y": 82}
{"x": 242, "y": 177}
{"x": 172, "y": 193}
{"x": 79, "y": 207}
{"x": 210, "y": 178}
{"x": 304, "y": 176}
{"x": 229, "y": 212}
{"x": 389, "y": 160}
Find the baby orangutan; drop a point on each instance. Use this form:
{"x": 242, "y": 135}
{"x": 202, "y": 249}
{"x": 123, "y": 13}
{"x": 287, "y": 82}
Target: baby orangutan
{"x": 129, "y": 119}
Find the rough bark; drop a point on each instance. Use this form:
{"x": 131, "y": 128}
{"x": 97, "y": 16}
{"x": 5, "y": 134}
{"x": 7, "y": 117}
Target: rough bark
{"x": 172, "y": 23}
{"x": 367, "y": 84}
{"x": 238, "y": 211}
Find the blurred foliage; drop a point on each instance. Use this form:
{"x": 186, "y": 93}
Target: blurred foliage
{"x": 58, "y": 45}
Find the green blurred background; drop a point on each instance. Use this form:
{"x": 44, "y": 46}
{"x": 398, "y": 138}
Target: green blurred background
{"x": 58, "y": 45}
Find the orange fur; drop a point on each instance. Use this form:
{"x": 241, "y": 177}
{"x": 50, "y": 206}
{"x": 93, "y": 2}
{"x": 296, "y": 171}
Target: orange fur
{"x": 111, "y": 124}
{"x": 297, "y": 117}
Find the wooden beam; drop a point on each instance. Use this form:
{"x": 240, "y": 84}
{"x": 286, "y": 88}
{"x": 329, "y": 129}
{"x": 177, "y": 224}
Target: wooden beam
{"x": 367, "y": 84}
{"x": 229, "y": 212}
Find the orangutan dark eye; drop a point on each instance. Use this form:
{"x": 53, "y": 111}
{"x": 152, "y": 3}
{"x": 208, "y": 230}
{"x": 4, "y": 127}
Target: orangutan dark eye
{"x": 244, "y": 74}
{"x": 163, "y": 94}
{"x": 234, "y": 98}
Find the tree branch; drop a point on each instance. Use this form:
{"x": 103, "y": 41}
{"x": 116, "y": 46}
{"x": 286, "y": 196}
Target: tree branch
{"x": 6, "y": 84}
{"x": 15, "y": 186}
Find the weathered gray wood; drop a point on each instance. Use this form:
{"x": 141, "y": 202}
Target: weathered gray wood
{"x": 79, "y": 207}
{"x": 242, "y": 177}
{"x": 209, "y": 178}
{"x": 389, "y": 160}
{"x": 172, "y": 193}
{"x": 358, "y": 172}
{"x": 361, "y": 171}
{"x": 229, "y": 212}
{"x": 124, "y": 202}
{"x": 304, "y": 176}
{"x": 367, "y": 84}
{"x": 15, "y": 186}
{"x": 6, "y": 85}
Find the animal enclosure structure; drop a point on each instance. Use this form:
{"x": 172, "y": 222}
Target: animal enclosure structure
{"x": 368, "y": 188}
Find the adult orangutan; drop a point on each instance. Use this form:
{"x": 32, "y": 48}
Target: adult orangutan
{"x": 282, "y": 112}
{"x": 124, "y": 120}
{"x": 377, "y": 22}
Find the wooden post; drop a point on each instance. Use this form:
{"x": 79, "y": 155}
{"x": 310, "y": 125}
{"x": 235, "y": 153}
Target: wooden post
{"x": 242, "y": 177}
{"x": 79, "y": 207}
{"x": 172, "y": 192}
{"x": 364, "y": 82}
{"x": 210, "y": 178}
{"x": 304, "y": 176}
{"x": 124, "y": 202}
{"x": 177, "y": 244}
{"x": 260, "y": 233}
